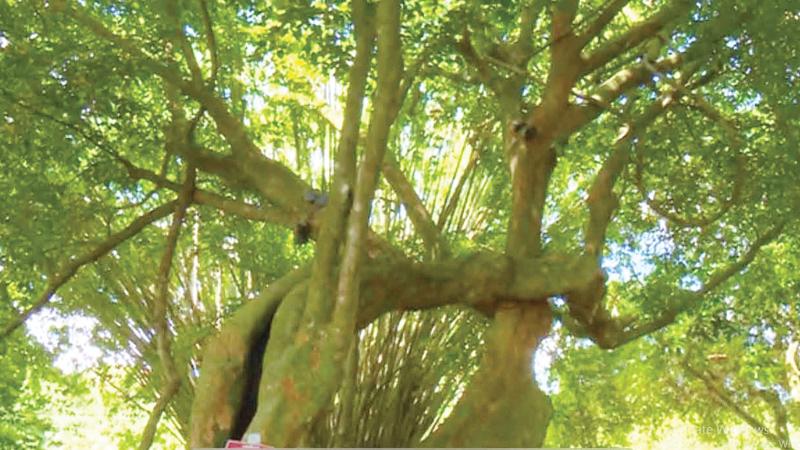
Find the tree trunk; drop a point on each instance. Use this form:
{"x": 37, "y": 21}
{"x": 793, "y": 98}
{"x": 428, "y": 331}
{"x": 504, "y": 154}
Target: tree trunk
{"x": 502, "y": 406}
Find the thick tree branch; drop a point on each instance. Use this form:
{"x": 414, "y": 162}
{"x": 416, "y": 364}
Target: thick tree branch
{"x": 220, "y": 202}
{"x": 71, "y": 267}
{"x": 532, "y": 157}
{"x": 484, "y": 281}
{"x": 564, "y": 17}
{"x": 479, "y": 280}
{"x": 303, "y": 340}
{"x": 375, "y": 243}
{"x": 501, "y": 396}
{"x": 389, "y": 72}
{"x": 565, "y": 66}
{"x": 227, "y": 367}
{"x": 274, "y": 181}
{"x": 334, "y": 217}
{"x": 628, "y": 78}
{"x": 280, "y": 185}
{"x": 635, "y": 36}
{"x": 576, "y": 116}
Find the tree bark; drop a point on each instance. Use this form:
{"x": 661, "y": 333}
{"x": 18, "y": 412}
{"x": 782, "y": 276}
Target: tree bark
{"x": 502, "y": 406}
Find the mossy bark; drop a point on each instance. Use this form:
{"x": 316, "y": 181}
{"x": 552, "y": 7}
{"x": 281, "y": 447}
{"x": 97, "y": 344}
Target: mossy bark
{"x": 502, "y": 406}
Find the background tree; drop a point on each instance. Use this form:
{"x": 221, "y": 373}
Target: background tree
{"x": 616, "y": 167}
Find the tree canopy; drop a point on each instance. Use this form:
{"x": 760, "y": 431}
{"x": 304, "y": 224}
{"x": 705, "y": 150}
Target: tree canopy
{"x": 364, "y": 223}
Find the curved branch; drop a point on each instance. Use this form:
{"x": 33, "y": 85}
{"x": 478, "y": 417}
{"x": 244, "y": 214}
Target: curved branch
{"x": 70, "y": 268}
{"x": 480, "y": 280}
{"x": 602, "y": 201}
{"x": 172, "y": 378}
{"x": 686, "y": 300}
{"x": 738, "y": 181}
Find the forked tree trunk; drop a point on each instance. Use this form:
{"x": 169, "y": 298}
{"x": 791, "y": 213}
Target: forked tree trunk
{"x": 500, "y": 407}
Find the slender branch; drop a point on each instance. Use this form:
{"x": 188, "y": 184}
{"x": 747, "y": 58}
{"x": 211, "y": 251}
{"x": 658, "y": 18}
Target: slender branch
{"x": 686, "y": 299}
{"x": 601, "y": 199}
{"x": 207, "y": 160}
{"x": 725, "y": 399}
{"x": 779, "y": 413}
{"x": 596, "y": 27}
{"x": 278, "y": 183}
{"x": 485, "y": 73}
{"x": 720, "y": 276}
{"x": 165, "y": 395}
{"x": 71, "y": 267}
{"x": 522, "y": 48}
{"x": 455, "y": 196}
{"x": 334, "y": 220}
{"x": 389, "y": 72}
{"x": 211, "y": 41}
{"x": 161, "y": 326}
{"x": 419, "y": 215}
{"x": 174, "y": 16}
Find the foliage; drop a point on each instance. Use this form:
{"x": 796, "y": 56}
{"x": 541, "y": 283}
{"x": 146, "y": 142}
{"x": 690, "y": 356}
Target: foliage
{"x": 649, "y": 196}
{"x": 26, "y": 381}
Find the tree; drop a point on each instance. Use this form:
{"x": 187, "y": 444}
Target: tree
{"x": 510, "y": 158}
